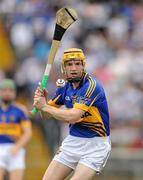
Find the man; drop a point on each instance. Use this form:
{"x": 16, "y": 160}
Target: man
{"x": 15, "y": 132}
{"x": 87, "y": 147}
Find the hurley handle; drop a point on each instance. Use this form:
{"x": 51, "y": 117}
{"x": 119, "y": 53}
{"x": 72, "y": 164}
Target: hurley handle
{"x": 43, "y": 85}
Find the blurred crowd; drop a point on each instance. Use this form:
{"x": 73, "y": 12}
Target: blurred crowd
{"x": 111, "y": 35}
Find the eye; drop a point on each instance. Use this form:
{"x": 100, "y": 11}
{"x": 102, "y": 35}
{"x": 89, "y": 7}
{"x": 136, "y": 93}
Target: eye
{"x": 69, "y": 64}
{"x": 77, "y": 63}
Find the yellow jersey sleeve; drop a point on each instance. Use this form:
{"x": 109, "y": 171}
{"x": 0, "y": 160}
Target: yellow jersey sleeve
{"x": 81, "y": 106}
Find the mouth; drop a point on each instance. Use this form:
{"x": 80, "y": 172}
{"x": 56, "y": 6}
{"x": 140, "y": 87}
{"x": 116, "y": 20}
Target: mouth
{"x": 74, "y": 74}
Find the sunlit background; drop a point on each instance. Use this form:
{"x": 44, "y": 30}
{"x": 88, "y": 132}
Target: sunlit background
{"x": 111, "y": 34}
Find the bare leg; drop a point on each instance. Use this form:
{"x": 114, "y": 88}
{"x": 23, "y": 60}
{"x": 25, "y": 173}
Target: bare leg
{"x": 16, "y": 174}
{"x": 57, "y": 171}
{"x": 83, "y": 172}
{"x": 2, "y": 173}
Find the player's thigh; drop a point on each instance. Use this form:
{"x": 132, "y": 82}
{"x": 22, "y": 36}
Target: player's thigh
{"x": 16, "y": 174}
{"x": 57, "y": 171}
{"x": 83, "y": 172}
{"x": 2, "y": 173}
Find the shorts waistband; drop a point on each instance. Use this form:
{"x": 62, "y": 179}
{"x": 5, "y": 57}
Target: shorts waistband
{"x": 97, "y": 139}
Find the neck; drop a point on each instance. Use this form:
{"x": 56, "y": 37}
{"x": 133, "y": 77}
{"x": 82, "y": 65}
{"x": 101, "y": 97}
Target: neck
{"x": 5, "y": 105}
{"x": 75, "y": 85}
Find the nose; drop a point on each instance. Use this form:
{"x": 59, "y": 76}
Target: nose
{"x": 73, "y": 67}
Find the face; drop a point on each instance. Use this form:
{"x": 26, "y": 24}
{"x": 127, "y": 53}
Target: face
{"x": 74, "y": 70}
{"x": 7, "y": 95}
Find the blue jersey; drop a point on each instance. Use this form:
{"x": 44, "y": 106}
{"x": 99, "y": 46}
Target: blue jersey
{"x": 12, "y": 121}
{"x": 90, "y": 97}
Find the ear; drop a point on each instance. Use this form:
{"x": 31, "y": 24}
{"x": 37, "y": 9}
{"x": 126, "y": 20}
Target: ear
{"x": 62, "y": 69}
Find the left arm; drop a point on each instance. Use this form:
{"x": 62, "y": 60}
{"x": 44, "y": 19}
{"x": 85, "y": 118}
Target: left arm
{"x": 23, "y": 140}
{"x": 70, "y": 116}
